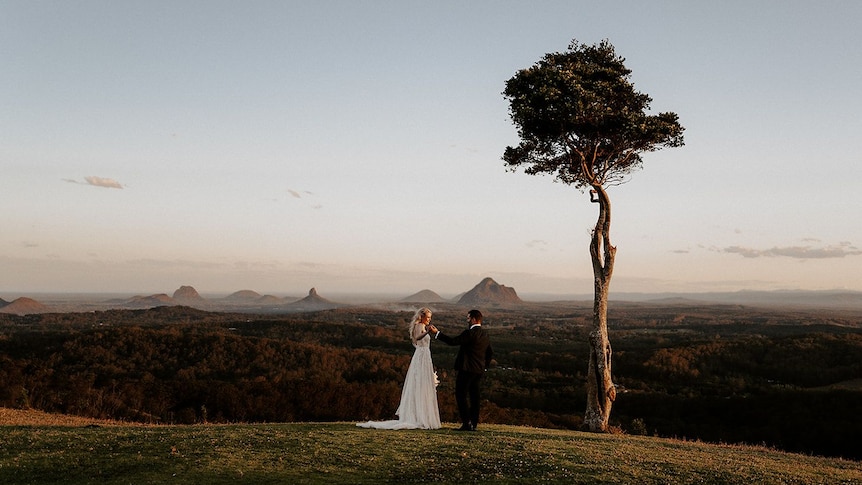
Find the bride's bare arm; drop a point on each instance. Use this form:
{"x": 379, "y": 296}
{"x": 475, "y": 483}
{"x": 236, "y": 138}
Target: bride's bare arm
{"x": 419, "y": 328}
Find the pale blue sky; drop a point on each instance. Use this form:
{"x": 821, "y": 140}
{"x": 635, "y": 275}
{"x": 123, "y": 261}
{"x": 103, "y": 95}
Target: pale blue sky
{"x": 355, "y": 146}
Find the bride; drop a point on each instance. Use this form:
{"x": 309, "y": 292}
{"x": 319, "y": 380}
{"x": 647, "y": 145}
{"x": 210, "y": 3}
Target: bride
{"x": 418, "y": 408}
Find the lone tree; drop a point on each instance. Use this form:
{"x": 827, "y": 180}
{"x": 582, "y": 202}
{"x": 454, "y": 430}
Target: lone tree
{"x": 579, "y": 118}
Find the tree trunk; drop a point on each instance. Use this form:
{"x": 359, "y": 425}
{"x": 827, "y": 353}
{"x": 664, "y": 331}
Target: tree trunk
{"x": 601, "y": 391}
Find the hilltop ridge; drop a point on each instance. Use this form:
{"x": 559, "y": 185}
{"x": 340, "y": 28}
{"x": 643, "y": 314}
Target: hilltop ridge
{"x": 424, "y": 296}
{"x": 22, "y": 306}
{"x": 312, "y": 302}
{"x": 497, "y": 455}
{"x": 489, "y": 292}
{"x": 187, "y": 294}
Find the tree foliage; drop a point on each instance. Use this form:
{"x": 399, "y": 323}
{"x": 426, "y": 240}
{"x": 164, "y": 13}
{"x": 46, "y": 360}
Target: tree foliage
{"x": 580, "y": 118}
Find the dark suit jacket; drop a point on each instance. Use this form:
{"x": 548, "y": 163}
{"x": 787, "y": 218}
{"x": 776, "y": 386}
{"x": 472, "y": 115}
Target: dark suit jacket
{"x": 475, "y": 353}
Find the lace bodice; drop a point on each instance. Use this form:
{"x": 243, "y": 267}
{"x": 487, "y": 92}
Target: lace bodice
{"x": 416, "y": 333}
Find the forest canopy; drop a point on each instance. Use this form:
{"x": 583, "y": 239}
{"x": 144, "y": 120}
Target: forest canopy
{"x": 711, "y": 373}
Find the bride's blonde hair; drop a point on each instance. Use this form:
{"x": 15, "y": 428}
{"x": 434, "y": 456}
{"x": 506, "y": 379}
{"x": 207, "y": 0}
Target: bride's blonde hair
{"x": 416, "y": 317}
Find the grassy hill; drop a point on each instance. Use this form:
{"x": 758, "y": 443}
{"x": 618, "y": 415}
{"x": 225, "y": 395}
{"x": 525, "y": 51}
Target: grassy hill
{"x": 73, "y": 451}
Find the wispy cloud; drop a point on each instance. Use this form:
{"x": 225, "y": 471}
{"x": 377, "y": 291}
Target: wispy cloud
{"x": 299, "y": 194}
{"x": 94, "y": 181}
{"x": 539, "y": 244}
{"x": 797, "y": 252}
{"x": 103, "y": 182}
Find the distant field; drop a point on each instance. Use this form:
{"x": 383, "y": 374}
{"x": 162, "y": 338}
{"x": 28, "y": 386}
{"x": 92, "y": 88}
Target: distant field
{"x": 44, "y": 449}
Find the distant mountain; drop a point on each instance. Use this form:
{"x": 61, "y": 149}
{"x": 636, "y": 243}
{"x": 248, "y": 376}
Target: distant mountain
{"x": 489, "y": 292}
{"x": 150, "y": 301}
{"x": 187, "y": 294}
{"x": 23, "y": 306}
{"x": 243, "y": 296}
{"x": 312, "y": 302}
{"x": 424, "y": 296}
{"x": 3, "y": 302}
{"x": 269, "y": 300}
{"x": 789, "y": 298}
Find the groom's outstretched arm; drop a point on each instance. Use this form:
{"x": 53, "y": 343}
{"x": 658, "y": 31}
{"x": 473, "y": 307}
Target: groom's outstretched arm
{"x": 460, "y": 339}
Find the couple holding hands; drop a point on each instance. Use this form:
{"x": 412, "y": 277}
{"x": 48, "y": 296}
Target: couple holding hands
{"x": 418, "y": 407}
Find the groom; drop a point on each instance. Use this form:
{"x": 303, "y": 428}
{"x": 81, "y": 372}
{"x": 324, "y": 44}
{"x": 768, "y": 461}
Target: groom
{"x": 473, "y": 359}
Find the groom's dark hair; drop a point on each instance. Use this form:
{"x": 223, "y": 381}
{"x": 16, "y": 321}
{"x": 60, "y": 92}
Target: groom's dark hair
{"x": 475, "y": 315}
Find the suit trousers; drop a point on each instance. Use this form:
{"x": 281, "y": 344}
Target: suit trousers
{"x": 467, "y": 385}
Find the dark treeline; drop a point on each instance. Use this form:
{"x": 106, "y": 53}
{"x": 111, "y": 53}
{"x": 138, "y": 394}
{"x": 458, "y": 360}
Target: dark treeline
{"x": 792, "y": 380}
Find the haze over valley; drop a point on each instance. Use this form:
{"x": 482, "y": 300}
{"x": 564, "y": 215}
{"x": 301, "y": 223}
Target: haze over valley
{"x": 486, "y": 294}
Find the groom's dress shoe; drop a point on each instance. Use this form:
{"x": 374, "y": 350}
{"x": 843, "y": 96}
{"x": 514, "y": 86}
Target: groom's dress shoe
{"x": 466, "y": 427}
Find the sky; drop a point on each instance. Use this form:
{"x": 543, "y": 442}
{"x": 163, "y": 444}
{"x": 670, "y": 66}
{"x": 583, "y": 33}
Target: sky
{"x": 355, "y": 147}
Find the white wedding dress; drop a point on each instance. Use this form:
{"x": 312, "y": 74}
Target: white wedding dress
{"x": 418, "y": 408}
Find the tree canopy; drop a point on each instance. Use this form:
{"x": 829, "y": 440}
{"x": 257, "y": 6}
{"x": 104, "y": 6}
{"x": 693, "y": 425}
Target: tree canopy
{"x": 580, "y": 118}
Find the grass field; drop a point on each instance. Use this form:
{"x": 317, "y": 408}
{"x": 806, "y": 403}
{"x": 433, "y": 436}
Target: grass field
{"x": 297, "y": 453}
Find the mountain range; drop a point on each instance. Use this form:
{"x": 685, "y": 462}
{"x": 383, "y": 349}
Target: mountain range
{"x": 487, "y": 293}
